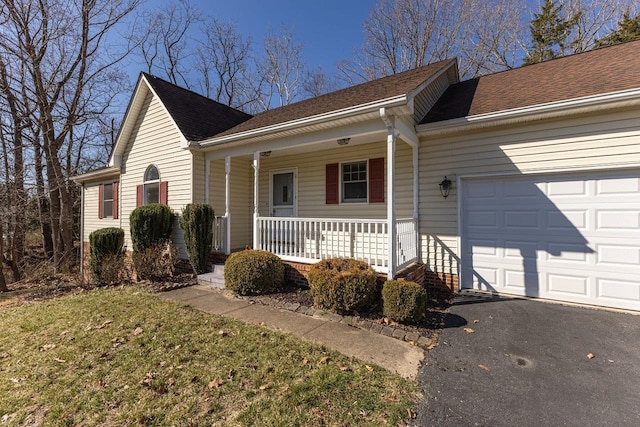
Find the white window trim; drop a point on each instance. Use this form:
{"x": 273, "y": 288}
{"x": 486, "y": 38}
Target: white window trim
{"x": 341, "y": 184}
{"x": 104, "y": 199}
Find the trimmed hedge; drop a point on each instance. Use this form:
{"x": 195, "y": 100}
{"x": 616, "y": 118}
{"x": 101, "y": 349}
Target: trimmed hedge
{"x": 343, "y": 285}
{"x": 102, "y": 243}
{"x": 197, "y": 224}
{"x": 404, "y": 301}
{"x": 150, "y": 224}
{"x": 253, "y": 272}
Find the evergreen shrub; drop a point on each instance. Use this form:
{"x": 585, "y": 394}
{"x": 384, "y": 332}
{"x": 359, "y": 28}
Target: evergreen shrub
{"x": 197, "y": 224}
{"x": 253, "y": 272}
{"x": 404, "y": 301}
{"x": 106, "y": 246}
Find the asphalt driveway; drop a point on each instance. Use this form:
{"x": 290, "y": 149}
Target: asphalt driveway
{"x": 523, "y": 362}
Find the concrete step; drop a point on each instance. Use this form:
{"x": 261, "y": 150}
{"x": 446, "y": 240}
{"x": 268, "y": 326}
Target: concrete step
{"x": 215, "y": 278}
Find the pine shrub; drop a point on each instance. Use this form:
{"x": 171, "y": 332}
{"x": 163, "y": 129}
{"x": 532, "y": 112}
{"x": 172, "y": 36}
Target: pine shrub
{"x": 253, "y": 272}
{"x": 343, "y": 285}
{"x": 150, "y": 224}
{"x": 197, "y": 224}
{"x": 404, "y": 301}
{"x": 105, "y": 244}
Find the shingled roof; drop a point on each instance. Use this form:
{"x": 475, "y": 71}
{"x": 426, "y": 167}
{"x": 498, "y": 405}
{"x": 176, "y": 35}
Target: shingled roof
{"x": 376, "y": 90}
{"x": 197, "y": 117}
{"x": 590, "y": 73}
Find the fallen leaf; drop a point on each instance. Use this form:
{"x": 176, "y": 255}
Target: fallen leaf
{"x": 413, "y": 343}
{"x": 138, "y": 331}
{"x": 432, "y": 346}
{"x": 345, "y": 368}
{"x": 215, "y": 383}
{"x": 393, "y": 399}
{"x": 57, "y": 359}
{"x": 590, "y": 356}
{"x": 223, "y": 333}
{"x": 411, "y": 413}
{"x": 469, "y": 330}
{"x": 484, "y": 368}
{"x": 264, "y": 386}
{"x": 476, "y": 321}
{"x": 104, "y": 324}
{"x": 325, "y": 359}
{"x": 369, "y": 368}
{"x": 304, "y": 361}
{"x": 610, "y": 361}
{"x": 490, "y": 317}
{"x": 103, "y": 356}
{"x": 47, "y": 347}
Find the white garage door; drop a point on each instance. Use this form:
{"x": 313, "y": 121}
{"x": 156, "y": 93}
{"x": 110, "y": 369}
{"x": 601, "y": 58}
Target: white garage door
{"x": 563, "y": 237}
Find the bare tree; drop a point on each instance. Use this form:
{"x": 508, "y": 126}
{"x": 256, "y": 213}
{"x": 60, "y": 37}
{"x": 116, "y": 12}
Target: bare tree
{"x": 223, "y": 61}
{"x": 68, "y": 68}
{"x": 317, "y": 82}
{"x": 164, "y": 40}
{"x": 281, "y": 69}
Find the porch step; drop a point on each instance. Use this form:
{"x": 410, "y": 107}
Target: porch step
{"x": 215, "y": 278}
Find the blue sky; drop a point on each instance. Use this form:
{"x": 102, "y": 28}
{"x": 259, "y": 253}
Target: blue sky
{"x": 328, "y": 29}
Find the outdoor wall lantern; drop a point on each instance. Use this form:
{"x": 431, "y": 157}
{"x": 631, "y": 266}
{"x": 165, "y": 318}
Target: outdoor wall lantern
{"x": 265, "y": 154}
{"x": 445, "y": 187}
{"x": 344, "y": 141}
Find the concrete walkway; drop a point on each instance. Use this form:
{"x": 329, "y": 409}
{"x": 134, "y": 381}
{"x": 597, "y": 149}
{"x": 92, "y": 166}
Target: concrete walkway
{"x": 389, "y": 353}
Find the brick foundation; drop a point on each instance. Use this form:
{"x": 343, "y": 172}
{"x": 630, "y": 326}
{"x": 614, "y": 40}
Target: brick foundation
{"x": 441, "y": 281}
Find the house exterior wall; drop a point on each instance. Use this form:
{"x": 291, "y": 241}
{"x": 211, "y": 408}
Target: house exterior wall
{"x": 311, "y": 181}
{"x": 156, "y": 140}
{"x": 598, "y": 141}
{"x": 90, "y": 209}
{"x": 241, "y": 203}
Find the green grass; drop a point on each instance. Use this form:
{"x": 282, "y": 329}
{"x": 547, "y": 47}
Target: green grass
{"x": 126, "y": 357}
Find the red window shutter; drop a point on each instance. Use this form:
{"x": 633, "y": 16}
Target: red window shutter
{"x": 332, "y": 182}
{"x": 100, "y": 201}
{"x": 115, "y": 200}
{"x": 139, "y": 200}
{"x": 376, "y": 180}
{"x": 164, "y": 193}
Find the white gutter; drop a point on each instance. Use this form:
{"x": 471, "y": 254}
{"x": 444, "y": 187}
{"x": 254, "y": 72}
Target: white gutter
{"x": 97, "y": 174}
{"x": 307, "y": 121}
{"x": 548, "y": 110}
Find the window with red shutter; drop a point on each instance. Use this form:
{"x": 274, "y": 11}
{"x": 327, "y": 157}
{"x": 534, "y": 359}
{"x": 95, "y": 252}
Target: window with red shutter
{"x": 332, "y": 184}
{"x": 100, "y": 201}
{"x": 376, "y": 180}
{"x": 115, "y": 201}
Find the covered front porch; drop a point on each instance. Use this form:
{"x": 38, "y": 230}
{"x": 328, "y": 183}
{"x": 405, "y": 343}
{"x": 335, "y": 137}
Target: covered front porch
{"x": 281, "y": 196}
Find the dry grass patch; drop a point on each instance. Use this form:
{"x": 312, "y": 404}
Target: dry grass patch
{"x": 126, "y": 357}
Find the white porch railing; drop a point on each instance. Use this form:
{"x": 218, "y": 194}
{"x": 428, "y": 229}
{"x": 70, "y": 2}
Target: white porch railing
{"x": 311, "y": 239}
{"x": 219, "y": 234}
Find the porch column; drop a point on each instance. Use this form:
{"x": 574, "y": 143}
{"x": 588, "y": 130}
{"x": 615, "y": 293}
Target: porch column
{"x": 207, "y": 173}
{"x": 227, "y": 204}
{"x": 391, "y": 207}
{"x": 416, "y": 184}
{"x": 256, "y": 170}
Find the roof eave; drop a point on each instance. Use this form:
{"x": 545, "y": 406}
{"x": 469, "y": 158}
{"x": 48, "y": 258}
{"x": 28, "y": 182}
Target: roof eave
{"x": 550, "y": 110}
{"x": 362, "y": 109}
{"x": 108, "y": 172}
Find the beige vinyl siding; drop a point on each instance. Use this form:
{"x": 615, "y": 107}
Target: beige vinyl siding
{"x": 604, "y": 141}
{"x": 156, "y": 140}
{"x": 429, "y": 96}
{"x": 199, "y": 172}
{"x": 241, "y": 203}
{"x": 311, "y": 181}
{"x": 91, "y": 220}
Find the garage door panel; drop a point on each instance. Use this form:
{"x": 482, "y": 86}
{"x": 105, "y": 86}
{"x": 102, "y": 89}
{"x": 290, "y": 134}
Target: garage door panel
{"x": 572, "y": 237}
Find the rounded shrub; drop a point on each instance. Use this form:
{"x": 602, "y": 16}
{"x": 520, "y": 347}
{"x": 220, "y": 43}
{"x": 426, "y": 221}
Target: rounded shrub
{"x": 404, "y": 301}
{"x": 197, "y": 224}
{"x": 150, "y": 224}
{"x": 343, "y": 284}
{"x": 253, "y": 272}
{"x": 105, "y": 243}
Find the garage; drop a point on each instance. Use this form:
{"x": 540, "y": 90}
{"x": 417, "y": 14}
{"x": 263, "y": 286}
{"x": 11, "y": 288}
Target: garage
{"x": 564, "y": 237}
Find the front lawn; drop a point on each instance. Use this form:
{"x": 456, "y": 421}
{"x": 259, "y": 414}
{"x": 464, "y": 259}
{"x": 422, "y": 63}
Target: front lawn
{"x": 125, "y": 357}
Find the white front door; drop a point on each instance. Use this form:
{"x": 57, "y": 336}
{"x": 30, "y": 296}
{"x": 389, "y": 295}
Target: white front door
{"x": 283, "y": 193}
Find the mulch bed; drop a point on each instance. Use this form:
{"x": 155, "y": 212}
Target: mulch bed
{"x": 423, "y": 334}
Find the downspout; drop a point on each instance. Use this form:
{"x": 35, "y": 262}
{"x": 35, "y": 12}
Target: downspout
{"x": 82, "y": 233}
{"x": 391, "y": 212}
{"x": 227, "y": 203}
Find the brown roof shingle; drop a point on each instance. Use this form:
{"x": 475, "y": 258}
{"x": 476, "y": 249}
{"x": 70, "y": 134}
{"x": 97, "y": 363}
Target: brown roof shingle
{"x": 595, "y": 72}
{"x": 197, "y": 117}
{"x": 386, "y": 87}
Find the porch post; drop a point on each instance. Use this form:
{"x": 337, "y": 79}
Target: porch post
{"x": 207, "y": 173}
{"x": 416, "y": 184}
{"x": 256, "y": 170}
{"x": 391, "y": 208}
{"x": 227, "y": 204}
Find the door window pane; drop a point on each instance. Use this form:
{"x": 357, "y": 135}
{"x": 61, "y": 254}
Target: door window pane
{"x": 283, "y": 189}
